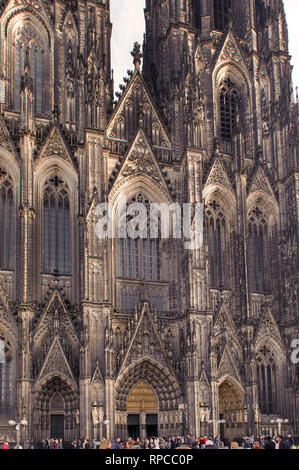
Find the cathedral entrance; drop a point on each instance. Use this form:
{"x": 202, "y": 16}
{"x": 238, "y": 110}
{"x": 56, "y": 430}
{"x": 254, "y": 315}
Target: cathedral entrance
{"x": 231, "y": 409}
{"x": 57, "y": 426}
{"x": 56, "y": 410}
{"x": 157, "y": 406}
{"x": 142, "y": 408}
{"x": 57, "y": 416}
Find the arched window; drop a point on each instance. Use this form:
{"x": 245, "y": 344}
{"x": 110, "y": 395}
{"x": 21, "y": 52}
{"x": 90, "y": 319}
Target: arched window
{"x": 56, "y": 226}
{"x": 5, "y": 377}
{"x": 140, "y": 258}
{"x": 218, "y": 245}
{"x": 221, "y": 14}
{"x": 7, "y": 221}
{"x": 257, "y": 248}
{"x": 27, "y": 37}
{"x": 229, "y": 111}
{"x": 266, "y": 379}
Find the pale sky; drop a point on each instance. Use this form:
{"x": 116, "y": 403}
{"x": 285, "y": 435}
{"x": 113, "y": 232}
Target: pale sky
{"x": 128, "y": 26}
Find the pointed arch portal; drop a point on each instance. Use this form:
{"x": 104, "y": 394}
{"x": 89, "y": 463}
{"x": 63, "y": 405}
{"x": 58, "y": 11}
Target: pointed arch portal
{"x": 55, "y": 410}
{"x": 147, "y": 401}
{"x": 232, "y": 414}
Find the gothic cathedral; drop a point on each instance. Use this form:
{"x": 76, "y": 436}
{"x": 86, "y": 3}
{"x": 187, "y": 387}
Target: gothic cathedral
{"x": 116, "y": 337}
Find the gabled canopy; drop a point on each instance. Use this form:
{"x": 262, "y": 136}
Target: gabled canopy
{"x": 135, "y": 106}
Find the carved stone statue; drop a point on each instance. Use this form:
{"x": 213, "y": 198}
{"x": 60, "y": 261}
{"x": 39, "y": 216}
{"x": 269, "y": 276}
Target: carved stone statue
{"x": 77, "y": 416}
{"x": 256, "y": 413}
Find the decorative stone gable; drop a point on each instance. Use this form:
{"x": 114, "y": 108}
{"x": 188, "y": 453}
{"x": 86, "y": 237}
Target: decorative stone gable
{"x": 136, "y": 109}
{"x": 140, "y": 160}
{"x": 219, "y": 175}
{"x": 231, "y": 52}
{"x": 260, "y": 182}
{"x": 224, "y": 321}
{"x": 227, "y": 366}
{"x": 56, "y": 363}
{"x": 146, "y": 341}
{"x": 55, "y": 146}
{"x": 268, "y": 326}
{"x": 56, "y": 317}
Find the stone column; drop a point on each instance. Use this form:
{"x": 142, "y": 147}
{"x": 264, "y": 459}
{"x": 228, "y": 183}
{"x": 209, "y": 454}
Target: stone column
{"x": 24, "y": 383}
{"x": 85, "y": 377}
{"x": 142, "y": 424}
{"x": 110, "y": 407}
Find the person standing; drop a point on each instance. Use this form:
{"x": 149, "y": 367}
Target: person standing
{"x": 116, "y": 444}
{"x": 269, "y": 444}
{"x": 284, "y": 443}
{"x": 291, "y": 440}
{"x": 45, "y": 444}
{"x": 156, "y": 443}
{"x": 247, "y": 442}
{"x": 217, "y": 442}
{"x": 55, "y": 444}
{"x": 5, "y": 445}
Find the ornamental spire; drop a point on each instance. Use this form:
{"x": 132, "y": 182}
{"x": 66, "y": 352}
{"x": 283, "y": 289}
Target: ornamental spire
{"x": 137, "y": 55}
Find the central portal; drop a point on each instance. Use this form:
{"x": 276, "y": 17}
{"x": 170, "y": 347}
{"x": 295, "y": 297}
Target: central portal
{"x": 231, "y": 411}
{"x": 142, "y": 411}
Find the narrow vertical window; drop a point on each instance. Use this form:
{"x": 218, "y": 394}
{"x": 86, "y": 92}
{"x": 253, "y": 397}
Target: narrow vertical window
{"x": 218, "y": 245}
{"x": 229, "y": 108}
{"x": 7, "y": 221}
{"x": 5, "y": 378}
{"x": 266, "y": 377}
{"x": 257, "y": 250}
{"x": 56, "y": 227}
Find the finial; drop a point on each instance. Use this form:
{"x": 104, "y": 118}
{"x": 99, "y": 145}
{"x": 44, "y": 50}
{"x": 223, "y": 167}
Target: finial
{"x": 137, "y": 55}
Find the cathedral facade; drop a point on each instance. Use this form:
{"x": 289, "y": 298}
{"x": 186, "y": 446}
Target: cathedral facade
{"x": 120, "y": 336}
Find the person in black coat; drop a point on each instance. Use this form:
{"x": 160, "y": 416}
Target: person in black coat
{"x": 284, "y": 443}
{"x": 269, "y": 444}
{"x": 291, "y": 440}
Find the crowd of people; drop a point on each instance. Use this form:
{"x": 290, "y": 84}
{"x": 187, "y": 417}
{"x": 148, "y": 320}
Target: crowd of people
{"x": 179, "y": 442}
{"x": 259, "y": 442}
{"x": 268, "y": 443}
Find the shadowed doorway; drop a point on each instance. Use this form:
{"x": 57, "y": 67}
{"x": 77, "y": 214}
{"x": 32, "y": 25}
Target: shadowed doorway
{"x": 57, "y": 416}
